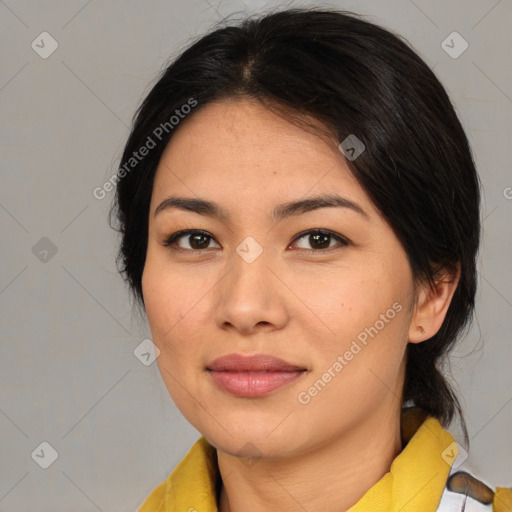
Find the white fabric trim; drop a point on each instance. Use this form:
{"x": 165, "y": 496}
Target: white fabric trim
{"x": 454, "y": 501}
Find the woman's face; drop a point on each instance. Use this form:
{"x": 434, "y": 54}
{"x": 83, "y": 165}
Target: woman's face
{"x": 255, "y": 284}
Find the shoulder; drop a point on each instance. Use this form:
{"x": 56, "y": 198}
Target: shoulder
{"x": 155, "y": 501}
{"x": 193, "y": 480}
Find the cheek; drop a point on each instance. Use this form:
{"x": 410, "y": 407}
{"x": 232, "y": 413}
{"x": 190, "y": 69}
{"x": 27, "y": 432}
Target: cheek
{"x": 165, "y": 314}
{"x": 174, "y": 310}
{"x": 164, "y": 296}
{"x": 161, "y": 311}
{"x": 154, "y": 294}
{"x": 347, "y": 299}
{"x": 366, "y": 304}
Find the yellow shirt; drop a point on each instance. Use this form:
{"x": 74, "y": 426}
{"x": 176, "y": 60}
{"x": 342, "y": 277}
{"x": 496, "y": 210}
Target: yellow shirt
{"x": 414, "y": 483}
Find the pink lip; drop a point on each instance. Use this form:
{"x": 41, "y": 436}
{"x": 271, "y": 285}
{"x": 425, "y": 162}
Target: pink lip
{"x": 252, "y": 376}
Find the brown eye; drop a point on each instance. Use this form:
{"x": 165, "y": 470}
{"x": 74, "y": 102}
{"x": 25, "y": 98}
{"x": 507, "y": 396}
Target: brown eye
{"x": 320, "y": 240}
{"x": 198, "y": 240}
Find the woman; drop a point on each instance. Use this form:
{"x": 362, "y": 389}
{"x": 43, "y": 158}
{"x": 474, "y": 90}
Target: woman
{"x": 299, "y": 211}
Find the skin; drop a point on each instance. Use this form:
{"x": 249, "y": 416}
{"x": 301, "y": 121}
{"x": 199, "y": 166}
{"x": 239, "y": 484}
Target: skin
{"x": 292, "y": 301}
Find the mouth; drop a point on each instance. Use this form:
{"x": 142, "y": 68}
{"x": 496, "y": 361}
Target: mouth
{"x": 260, "y": 363}
{"x": 252, "y": 376}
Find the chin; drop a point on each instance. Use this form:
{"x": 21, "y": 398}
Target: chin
{"x": 253, "y": 442}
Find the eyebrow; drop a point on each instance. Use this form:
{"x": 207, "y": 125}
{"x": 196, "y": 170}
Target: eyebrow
{"x": 280, "y": 212}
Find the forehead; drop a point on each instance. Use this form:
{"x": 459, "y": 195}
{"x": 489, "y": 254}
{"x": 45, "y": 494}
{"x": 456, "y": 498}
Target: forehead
{"x": 238, "y": 151}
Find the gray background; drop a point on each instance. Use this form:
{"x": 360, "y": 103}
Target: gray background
{"x": 68, "y": 372}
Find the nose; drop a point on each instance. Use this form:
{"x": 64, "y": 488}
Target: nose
{"x": 250, "y": 298}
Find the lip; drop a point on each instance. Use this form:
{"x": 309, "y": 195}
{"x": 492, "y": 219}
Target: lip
{"x": 256, "y": 363}
{"x": 252, "y": 376}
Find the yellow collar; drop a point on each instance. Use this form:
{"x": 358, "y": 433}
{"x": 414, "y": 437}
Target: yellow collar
{"x": 414, "y": 482}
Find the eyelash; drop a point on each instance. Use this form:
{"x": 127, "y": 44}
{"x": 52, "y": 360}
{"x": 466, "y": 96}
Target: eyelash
{"x": 170, "y": 240}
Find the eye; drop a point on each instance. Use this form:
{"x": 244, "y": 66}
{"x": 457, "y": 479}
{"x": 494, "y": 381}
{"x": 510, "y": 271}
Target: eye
{"x": 199, "y": 240}
{"x": 320, "y": 239}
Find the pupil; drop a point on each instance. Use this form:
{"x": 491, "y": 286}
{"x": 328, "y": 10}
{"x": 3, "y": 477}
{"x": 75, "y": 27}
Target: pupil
{"x": 320, "y": 235}
{"x": 195, "y": 237}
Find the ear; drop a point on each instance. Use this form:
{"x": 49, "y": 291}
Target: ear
{"x": 432, "y": 305}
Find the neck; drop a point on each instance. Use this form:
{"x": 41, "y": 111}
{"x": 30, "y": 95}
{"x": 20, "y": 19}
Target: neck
{"x": 331, "y": 478}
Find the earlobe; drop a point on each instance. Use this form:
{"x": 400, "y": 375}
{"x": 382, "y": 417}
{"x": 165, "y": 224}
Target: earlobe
{"x": 432, "y": 306}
